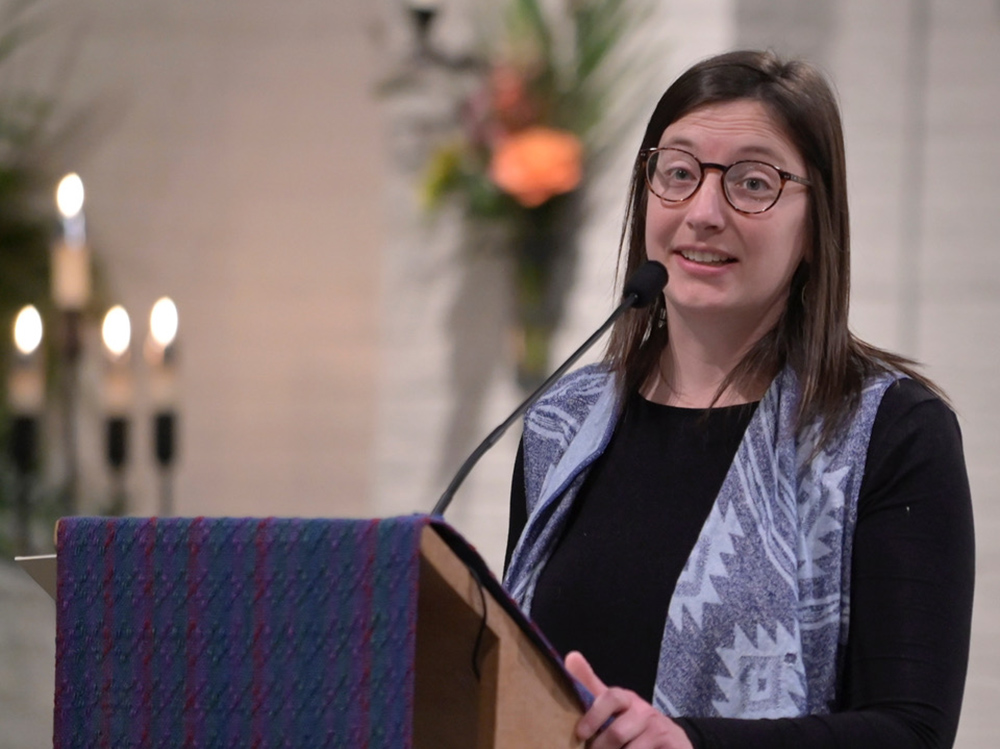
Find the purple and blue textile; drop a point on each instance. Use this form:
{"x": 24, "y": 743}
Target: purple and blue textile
{"x": 236, "y": 632}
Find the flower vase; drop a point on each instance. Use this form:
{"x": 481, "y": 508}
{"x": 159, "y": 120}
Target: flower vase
{"x": 543, "y": 255}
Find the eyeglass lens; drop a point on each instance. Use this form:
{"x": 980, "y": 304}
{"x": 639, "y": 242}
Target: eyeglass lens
{"x": 750, "y": 186}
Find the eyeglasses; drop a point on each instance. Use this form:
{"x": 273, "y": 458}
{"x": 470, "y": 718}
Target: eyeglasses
{"x": 750, "y": 187}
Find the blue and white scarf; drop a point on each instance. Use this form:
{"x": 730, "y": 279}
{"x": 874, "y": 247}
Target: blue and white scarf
{"x": 759, "y": 618}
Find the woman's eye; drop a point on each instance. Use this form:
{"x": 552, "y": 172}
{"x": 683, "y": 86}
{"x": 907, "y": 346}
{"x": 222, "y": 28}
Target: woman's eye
{"x": 755, "y": 184}
{"x": 679, "y": 174}
{"x": 753, "y": 180}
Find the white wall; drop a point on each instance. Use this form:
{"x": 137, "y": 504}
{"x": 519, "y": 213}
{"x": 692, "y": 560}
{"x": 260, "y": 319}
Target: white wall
{"x": 232, "y": 156}
{"x": 237, "y": 159}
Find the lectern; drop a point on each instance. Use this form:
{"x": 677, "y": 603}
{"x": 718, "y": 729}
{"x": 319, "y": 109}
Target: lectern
{"x": 274, "y": 632}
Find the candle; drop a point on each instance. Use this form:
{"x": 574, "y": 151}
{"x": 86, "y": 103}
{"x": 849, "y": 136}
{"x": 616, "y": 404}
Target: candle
{"x": 71, "y": 258}
{"x": 163, "y": 323}
{"x": 26, "y": 385}
{"x": 69, "y": 200}
{"x": 26, "y": 392}
{"x": 116, "y": 333}
{"x": 160, "y": 352}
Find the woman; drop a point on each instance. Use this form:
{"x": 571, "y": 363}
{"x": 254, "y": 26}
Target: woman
{"x": 747, "y": 519}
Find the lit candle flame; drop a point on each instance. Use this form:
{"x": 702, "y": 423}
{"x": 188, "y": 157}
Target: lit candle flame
{"x": 117, "y": 330}
{"x": 163, "y": 322}
{"x": 28, "y": 330}
{"x": 69, "y": 195}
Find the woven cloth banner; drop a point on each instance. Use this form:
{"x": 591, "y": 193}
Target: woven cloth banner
{"x": 236, "y": 632}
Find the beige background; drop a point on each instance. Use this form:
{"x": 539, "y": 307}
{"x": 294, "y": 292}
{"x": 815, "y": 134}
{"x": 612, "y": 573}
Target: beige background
{"x": 237, "y": 158}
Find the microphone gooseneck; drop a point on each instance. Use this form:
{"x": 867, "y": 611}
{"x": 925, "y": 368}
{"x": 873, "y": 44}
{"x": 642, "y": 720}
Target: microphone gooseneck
{"x": 640, "y": 291}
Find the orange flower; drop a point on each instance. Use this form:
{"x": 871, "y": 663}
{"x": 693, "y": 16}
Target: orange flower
{"x": 536, "y": 164}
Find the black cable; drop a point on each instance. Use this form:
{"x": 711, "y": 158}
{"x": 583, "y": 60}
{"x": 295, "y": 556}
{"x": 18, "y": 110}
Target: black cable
{"x": 482, "y": 627}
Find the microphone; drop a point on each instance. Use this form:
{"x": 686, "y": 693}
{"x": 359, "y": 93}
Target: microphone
{"x": 640, "y": 291}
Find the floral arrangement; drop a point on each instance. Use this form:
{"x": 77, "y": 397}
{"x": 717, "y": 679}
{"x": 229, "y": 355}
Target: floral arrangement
{"x": 530, "y": 126}
{"x": 534, "y": 124}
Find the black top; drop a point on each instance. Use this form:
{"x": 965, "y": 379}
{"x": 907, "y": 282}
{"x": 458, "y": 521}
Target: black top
{"x": 912, "y": 568}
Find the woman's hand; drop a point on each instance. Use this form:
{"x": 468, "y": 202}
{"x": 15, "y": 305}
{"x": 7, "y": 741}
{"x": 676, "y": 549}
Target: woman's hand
{"x": 637, "y": 724}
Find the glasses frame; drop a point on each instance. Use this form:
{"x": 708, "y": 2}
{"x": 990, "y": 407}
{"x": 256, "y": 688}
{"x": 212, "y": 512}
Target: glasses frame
{"x": 704, "y": 166}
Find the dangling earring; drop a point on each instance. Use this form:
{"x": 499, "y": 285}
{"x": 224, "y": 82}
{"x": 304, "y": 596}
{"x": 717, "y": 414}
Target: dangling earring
{"x": 661, "y": 315}
{"x": 801, "y": 273}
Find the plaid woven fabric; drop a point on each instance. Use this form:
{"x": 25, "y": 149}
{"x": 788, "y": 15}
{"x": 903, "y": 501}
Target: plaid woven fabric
{"x": 236, "y": 632}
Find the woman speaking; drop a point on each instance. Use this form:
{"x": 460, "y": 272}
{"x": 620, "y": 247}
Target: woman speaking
{"x": 747, "y": 527}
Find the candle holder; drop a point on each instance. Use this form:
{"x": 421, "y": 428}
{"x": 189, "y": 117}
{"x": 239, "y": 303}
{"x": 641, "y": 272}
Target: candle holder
{"x": 71, "y": 288}
{"x": 116, "y": 332}
{"x": 423, "y": 14}
{"x": 26, "y": 396}
{"x": 165, "y": 450}
{"x": 161, "y": 356}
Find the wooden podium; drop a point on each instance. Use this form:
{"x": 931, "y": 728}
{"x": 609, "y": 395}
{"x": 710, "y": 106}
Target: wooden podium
{"x": 522, "y": 697}
{"x": 482, "y": 677}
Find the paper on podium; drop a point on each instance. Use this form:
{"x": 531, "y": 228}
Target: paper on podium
{"x": 42, "y": 570}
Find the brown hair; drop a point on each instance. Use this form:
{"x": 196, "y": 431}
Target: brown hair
{"x": 812, "y": 335}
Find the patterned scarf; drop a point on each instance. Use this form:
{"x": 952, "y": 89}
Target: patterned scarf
{"x": 758, "y": 621}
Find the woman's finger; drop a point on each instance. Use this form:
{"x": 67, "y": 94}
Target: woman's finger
{"x": 580, "y": 669}
{"x": 605, "y": 702}
{"x": 626, "y": 726}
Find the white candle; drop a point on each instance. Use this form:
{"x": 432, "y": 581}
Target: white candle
{"x": 71, "y": 259}
{"x": 26, "y": 383}
{"x": 160, "y": 351}
{"x": 116, "y": 333}
{"x": 70, "y": 277}
{"x": 69, "y": 199}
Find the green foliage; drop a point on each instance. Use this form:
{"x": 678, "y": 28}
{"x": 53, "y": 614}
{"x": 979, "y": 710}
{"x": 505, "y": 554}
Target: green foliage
{"x": 27, "y": 229}
{"x": 599, "y": 27}
{"x": 578, "y": 72}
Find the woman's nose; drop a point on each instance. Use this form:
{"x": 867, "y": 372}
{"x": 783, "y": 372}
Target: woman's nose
{"x": 707, "y": 207}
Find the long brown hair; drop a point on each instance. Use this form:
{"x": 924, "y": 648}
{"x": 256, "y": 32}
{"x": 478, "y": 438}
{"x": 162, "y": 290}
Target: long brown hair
{"x": 812, "y": 335}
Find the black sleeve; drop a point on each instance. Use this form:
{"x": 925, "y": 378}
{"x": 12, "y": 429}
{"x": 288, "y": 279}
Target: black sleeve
{"x": 518, "y": 506}
{"x": 911, "y": 596}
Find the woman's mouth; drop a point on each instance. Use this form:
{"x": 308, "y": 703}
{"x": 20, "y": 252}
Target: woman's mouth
{"x": 705, "y": 257}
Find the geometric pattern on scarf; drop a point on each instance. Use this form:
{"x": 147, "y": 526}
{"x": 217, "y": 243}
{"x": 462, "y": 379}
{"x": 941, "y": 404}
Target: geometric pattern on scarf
{"x": 759, "y": 618}
{"x": 236, "y": 632}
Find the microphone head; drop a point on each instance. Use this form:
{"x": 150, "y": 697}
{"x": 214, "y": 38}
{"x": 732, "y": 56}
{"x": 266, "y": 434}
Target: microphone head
{"x": 646, "y": 284}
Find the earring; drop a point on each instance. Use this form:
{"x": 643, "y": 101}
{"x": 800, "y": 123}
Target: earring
{"x": 661, "y": 315}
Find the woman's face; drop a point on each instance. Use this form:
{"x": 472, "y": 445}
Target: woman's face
{"x": 726, "y": 265}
